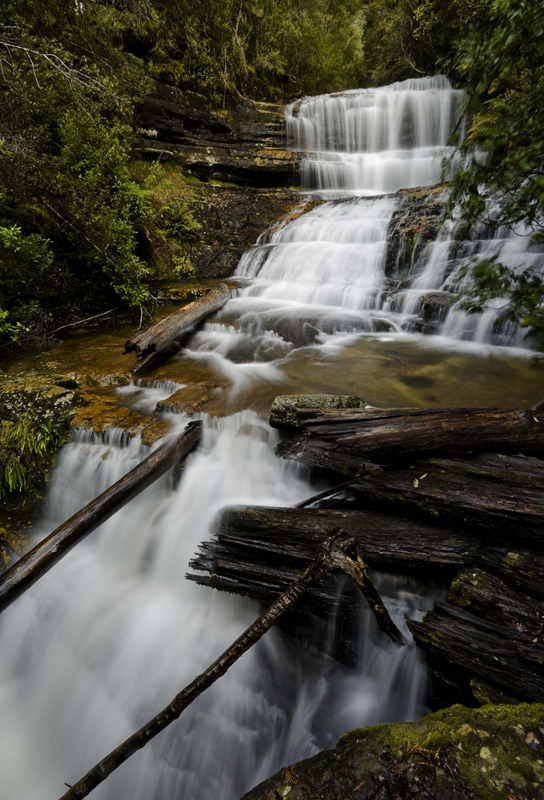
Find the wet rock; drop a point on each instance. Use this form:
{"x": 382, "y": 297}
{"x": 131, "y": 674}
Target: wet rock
{"x": 231, "y": 220}
{"x": 490, "y": 753}
{"x": 242, "y": 143}
{"x": 434, "y": 304}
{"x": 191, "y": 399}
{"x": 282, "y": 411}
{"x": 102, "y": 412}
{"x": 413, "y": 226}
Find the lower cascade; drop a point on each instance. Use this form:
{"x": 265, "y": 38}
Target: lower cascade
{"x": 106, "y": 639}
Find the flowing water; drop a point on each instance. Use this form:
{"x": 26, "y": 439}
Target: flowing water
{"x": 112, "y": 633}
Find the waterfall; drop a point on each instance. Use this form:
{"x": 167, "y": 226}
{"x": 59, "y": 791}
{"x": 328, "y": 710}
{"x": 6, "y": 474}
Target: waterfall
{"x": 375, "y": 141}
{"x": 114, "y": 631}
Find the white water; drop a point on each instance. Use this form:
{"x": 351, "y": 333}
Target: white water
{"x": 375, "y": 141}
{"x": 113, "y": 632}
{"x": 108, "y": 637}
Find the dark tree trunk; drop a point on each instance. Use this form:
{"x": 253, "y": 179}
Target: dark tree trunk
{"x": 147, "y": 344}
{"x": 385, "y": 434}
{"x": 25, "y": 572}
{"x": 509, "y": 659}
{"x": 258, "y": 551}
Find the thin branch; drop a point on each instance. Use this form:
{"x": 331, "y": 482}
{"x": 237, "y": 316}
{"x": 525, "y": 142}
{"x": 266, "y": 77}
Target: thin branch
{"x": 331, "y": 556}
{"x": 81, "y": 321}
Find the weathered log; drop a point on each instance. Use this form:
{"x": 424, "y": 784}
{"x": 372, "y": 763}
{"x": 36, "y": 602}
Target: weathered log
{"x": 147, "y": 344}
{"x": 507, "y": 658}
{"x": 25, "y": 572}
{"x": 521, "y": 567}
{"x": 258, "y": 551}
{"x": 332, "y": 555}
{"x": 490, "y": 597}
{"x": 495, "y": 493}
{"x": 387, "y": 434}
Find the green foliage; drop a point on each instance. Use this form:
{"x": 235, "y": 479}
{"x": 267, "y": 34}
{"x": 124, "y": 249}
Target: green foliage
{"x": 501, "y": 159}
{"x": 25, "y": 446}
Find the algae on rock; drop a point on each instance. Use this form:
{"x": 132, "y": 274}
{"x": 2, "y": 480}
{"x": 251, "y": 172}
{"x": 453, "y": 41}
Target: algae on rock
{"x": 491, "y": 753}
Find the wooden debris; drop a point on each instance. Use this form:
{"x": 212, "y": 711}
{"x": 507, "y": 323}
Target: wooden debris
{"x": 149, "y": 343}
{"x": 258, "y": 551}
{"x": 503, "y": 656}
{"x": 386, "y": 434}
{"x": 25, "y": 572}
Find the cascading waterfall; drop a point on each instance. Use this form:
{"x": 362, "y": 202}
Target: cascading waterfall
{"x": 107, "y": 638}
{"x": 375, "y": 141}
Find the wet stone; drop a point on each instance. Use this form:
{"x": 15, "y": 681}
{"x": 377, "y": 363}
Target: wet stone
{"x": 283, "y": 409}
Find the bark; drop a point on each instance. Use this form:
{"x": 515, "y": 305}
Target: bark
{"x": 386, "y": 434}
{"x": 332, "y": 554}
{"x": 258, "y": 551}
{"x": 507, "y": 658}
{"x": 494, "y": 493}
{"x": 496, "y": 600}
{"x": 147, "y": 344}
{"x": 25, "y": 572}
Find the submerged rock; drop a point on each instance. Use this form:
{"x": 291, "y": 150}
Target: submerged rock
{"x": 283, "y": 414}
{"x": 490, "y": 753}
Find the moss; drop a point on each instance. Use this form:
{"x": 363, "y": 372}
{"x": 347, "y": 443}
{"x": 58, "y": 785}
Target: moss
{"x": 497, "y": 749}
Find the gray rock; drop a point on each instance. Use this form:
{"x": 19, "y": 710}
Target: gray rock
{"x": 283, "y": 410}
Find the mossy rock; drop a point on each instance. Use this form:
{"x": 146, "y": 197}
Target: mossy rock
{"x": 284, "y": 407}
{"x": 491, "y": 753}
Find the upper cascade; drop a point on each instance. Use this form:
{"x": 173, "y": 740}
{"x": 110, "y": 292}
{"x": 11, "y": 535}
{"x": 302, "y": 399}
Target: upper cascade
{"x": 376, "y": 141}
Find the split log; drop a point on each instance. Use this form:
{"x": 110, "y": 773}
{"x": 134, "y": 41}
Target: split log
{"x": 147, "y": 344}
{"x": 333, "y": 555}
{"x": 258, "y": 551}
{"x": 508, "y": 659}
{"x": 521, "y": 567}
{"x": 494, "y": 493}
{"x": 383, "y": 435}
{"x": 25, "y": 572}
{"x": 490, "y": 597}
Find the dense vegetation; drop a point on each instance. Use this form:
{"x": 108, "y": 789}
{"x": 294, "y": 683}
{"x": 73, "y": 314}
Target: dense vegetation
{"x": 75, "y": 206}
{"x": 503, "y": 67}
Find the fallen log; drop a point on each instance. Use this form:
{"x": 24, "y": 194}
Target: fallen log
{"x": 493, "y": 493}
{"x": 258, "y": 551}
{"x": 149, "y": 343}
{"x": 507, "y": 658}
{"x": 385, "y": 434}
{"x": 492, "y": 598}
{"x": 333, "y": 555}
{"x": 25, "y": 572}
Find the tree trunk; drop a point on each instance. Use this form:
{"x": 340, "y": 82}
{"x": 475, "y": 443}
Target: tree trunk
{"x": 509, "y": 659}
{"x": 258, "y": 551}
{"x": 495, "y": 493}
{"x": 25, "y": 572}
{"x": 384, "y": 434}
{"x": 147, "y": 344}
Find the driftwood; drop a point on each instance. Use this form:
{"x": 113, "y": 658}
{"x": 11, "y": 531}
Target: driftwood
{"x": 25, "y": 572}
{"x": 333, "y": 555}
{"x": 491, "y": 492}
{"x": 147, "y": 344}
{"x": 385, "y": 434}
{"x": 505, "y": 657}
{"x": 258, "y": 551}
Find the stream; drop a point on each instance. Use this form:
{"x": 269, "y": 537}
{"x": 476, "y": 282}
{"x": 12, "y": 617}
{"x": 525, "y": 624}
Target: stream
{"x": 112, "y": 633}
